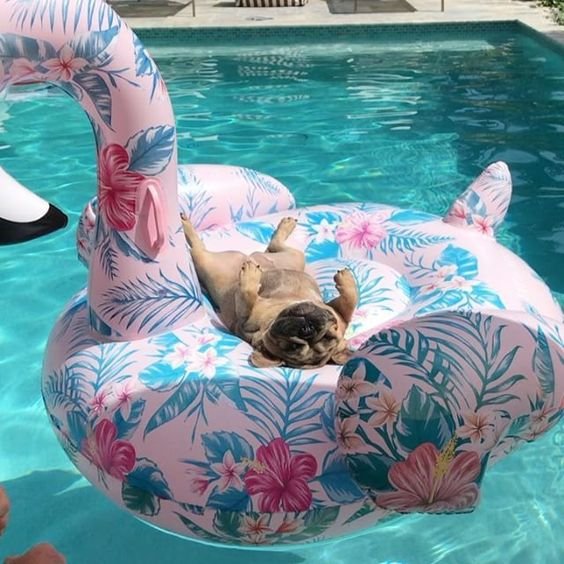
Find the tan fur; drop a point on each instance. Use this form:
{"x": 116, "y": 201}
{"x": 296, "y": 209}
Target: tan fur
{"x": 268, "y": 300}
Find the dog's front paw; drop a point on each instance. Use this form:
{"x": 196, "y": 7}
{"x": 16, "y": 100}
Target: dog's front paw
{"x": 250, "y": 274}
{"x": 190, "y": 233}
{"x": 344, "y": 279}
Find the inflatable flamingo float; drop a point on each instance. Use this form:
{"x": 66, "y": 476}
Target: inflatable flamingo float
{"x": 459, "y": 344}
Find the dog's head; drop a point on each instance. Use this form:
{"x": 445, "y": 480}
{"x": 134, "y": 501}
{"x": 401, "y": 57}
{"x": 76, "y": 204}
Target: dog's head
{"x": 303, "y": 335}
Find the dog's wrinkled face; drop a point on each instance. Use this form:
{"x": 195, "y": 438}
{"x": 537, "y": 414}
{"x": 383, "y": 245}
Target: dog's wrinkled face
{"x": 304, "y": 335}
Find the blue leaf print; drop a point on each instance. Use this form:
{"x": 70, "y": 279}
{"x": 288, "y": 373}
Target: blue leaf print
{"x": 99, "y": 325}
{"x": 143, "y": 64}
{"x": 336, "y": 480}
{"x": 152, "y": 302}
{"x": 216, "y": 444}
{"x": 108, "y": 258}
{"x": 259, "y": 231}
{"x": 77, "y": 425}
{"x": 151, "y": 149}
{"x": 66, "y": 388}
{"x": 178, "y": 402}
{"x": 97, "y": 90}
{"x": 403, "y": 286}
{"x": 162, "y": 377}
{"x": 230, "y": 500}
{"x": 227, "y": 380}
{"x": 475, "y": 203}
{"x": 443, "y": 300}
{"x": 259, "y": 181}
{"x": 410, "y": 217}
{"x": 371, "y": 471}
{"x": 465, "y": 262}
{"x": 147, "y": 476}
{"x": 129, "y": 248}
{"x": 126, "y": 427}
{"x": 542, "y": 363}
{"x": 14, "y": 46}
{"x": 90, "y": 46}
{"x": 401, "y": 240}
{"x": 328, "y": 417}
{"x": 482, "y": 295}
{"x": 323, "y": 250}
{"x": 48, "y": 12}
{"x": 316, "y": 217}
{"x": 423, "y": 420}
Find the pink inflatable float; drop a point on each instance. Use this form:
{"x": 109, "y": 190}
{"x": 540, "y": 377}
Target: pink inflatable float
{"x": 459, "y": 349}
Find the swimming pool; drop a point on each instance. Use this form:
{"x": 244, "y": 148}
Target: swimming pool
{"x": 405, "y": 122}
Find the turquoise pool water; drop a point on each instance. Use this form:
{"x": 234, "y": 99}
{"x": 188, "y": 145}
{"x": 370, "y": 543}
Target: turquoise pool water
{"x": 408, "y": 122}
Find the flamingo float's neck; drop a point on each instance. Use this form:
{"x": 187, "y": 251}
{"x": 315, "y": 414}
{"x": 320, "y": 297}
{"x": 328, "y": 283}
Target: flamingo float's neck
{"x": 141, "y": 278}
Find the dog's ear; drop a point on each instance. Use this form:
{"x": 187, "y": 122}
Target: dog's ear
{"x": 261, "y": 359}
{"x": 340, "y": 357}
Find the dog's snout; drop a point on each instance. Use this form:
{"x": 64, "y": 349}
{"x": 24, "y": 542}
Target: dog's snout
{"x": 304, "y": 320}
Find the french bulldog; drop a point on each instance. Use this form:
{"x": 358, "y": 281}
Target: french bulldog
{"x": 268, "y": 300}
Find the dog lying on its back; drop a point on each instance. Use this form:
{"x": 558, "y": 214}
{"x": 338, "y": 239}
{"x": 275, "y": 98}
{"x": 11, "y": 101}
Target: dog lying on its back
{"x": 269, "y": 301}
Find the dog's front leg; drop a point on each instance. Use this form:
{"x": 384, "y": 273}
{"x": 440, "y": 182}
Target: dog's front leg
{"x": 248, "y": 292}
{"x": 347, "y": 299}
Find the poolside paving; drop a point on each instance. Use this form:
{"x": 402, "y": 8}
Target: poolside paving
{"x": 223, "y": 13}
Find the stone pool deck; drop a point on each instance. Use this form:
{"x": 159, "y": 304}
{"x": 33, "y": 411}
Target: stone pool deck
{"x": 223, "y": 13}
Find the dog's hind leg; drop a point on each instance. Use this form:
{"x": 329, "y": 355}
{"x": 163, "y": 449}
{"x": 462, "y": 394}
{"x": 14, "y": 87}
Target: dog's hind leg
{"x": 218, "y": 272}
{"x": 282, "y": 255}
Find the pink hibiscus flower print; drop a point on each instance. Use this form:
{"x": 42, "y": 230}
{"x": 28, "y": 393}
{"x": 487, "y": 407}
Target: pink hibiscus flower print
{"x": 229, "y": 472}
{"x": 433, "y": 481}
{"x": 115, "y": 457}
{"x": 361, "y": 230}
{"x": 280, "y": 479}
{"x": 65, "y": 65}
{"x": 118, "y": 187}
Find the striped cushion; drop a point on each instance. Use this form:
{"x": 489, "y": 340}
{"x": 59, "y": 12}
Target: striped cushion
{"x": 269, "y": 3}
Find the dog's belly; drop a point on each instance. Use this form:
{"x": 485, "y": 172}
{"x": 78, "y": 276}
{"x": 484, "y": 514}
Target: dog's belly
{"x": 292, "y": 285}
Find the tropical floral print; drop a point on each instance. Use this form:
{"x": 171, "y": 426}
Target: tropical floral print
{"x": 114, "y": 456}
{"x": 64, "y": 66}
{"x": 118, "y": 187}
{"x": 362, "y": 230}
{"x": 229, "y": 472}
{"x": 477, "y": 426}
{"x": 484, "y": 204}
{"x": 433, "y": 481}
{"x": 280, "y": 479}
{"x": 157, "y": 403}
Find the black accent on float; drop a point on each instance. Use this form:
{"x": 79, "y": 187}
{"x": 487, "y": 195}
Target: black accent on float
{"x": 14, "y": 232}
